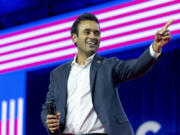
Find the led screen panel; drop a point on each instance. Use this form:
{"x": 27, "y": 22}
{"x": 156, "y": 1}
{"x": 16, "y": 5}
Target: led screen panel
{"x": 122, "y": 25}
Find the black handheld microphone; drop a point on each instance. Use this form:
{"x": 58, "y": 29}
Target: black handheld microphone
{"x": 51, "y": 111}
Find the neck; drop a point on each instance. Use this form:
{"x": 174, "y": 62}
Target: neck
{"x": 81, "y": 58}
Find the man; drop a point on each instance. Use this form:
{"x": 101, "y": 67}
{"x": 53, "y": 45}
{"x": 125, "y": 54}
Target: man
{"x": 84, "y": 91}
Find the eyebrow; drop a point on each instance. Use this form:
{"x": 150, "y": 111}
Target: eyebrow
{"x": 91, "y": 30}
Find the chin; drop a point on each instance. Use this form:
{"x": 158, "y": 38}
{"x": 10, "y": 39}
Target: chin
{"x": 91, "y": 52}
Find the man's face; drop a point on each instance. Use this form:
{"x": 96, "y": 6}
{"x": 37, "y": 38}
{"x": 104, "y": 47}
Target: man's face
{"x": 88, "y": 38}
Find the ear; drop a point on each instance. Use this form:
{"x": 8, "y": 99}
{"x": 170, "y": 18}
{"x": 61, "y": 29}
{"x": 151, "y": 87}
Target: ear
{"x": 74, "y": 38}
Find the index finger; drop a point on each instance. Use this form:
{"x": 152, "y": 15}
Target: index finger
{"x": 167, "y": 24}
{"x": 51, "y": 116}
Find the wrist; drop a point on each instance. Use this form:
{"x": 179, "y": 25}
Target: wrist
{"x": 156, "y": 48}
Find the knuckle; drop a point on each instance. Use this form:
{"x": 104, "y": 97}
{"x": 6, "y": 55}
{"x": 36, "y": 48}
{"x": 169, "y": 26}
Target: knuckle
{"x": 48, "y": 126}
{"x": 51, "y": 129}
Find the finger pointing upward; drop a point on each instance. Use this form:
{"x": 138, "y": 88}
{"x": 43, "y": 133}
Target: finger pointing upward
{"x": 167, "y": 25}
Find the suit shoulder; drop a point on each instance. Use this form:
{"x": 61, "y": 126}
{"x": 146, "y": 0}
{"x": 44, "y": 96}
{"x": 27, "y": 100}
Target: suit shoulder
{"x": 61, "y": 67}
{"x": 112, "y": 60}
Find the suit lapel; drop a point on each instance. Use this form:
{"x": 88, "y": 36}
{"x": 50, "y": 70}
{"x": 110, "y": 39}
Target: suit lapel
{"x": 96, "y": 64}
{"x": 66, "y": 71}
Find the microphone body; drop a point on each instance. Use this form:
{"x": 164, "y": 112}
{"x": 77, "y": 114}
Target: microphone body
{"x": 51, "y": 111}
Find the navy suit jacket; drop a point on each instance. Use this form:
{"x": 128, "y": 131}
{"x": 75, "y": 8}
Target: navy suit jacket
{"x": 105, "y": 76}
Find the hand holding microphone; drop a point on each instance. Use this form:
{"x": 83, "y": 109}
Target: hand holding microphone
{"x": 52, "y": 119}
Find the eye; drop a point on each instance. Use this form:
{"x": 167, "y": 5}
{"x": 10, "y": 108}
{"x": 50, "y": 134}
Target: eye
{"x": 96, "y": 33}
{"x": 87, "y": 32}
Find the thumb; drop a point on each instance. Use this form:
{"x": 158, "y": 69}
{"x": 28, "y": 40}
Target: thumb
{"x": 58, "y": 115}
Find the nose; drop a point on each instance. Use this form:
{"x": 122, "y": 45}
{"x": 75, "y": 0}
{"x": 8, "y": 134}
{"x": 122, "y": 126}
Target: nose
{"x": 91, "y": 35}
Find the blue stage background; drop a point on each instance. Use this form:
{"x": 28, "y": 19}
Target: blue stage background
{"x": 153, "y": 98}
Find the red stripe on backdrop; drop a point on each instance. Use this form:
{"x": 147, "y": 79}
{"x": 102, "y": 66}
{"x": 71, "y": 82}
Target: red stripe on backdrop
{"x": 138, "y": 11}
{"x": 34, "y": 46}
{"x": 35, "y": 37}
{"x": 43, "y": 35}
{"x": 127, "y": 43}
{"x": 102, "y": 20}
{"x": 103, "y": 29}
{"x": 121, "y": 25}
{"x": 7, "y": 127}
{"x": 72, "y": 55}
{"x": 103, "y": 39}
{"x": 15, "y": 126}
{"x": 38, "y": 63}
{"x": 0, "y": 127}
{"x": 119, "y": 6}
{"x": 69, "y": 19}
{"x": 66, "y": 20}
{"x": 131, "y": 32}
{"x": 38, "y": 54}
{"x": 132, "y": 42}
{"x": 137, "y": 31}
{"x": 141, "y": 20}
{"x": 37, "y": 27}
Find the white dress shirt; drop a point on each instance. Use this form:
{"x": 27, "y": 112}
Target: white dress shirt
{"x": 81, "y": 117}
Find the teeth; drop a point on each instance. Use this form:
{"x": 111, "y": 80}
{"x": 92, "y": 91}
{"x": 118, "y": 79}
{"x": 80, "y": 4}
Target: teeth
{"x": 91, "y": 43}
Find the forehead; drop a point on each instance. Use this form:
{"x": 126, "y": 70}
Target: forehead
{"x": 88, "y": 24}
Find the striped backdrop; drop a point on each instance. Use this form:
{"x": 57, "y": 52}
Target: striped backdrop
{"x": 11, "y": 122}
{"x": 121, "y": 25}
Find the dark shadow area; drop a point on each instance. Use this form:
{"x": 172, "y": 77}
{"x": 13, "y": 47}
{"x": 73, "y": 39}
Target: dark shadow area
{"x": 19, "y": 12}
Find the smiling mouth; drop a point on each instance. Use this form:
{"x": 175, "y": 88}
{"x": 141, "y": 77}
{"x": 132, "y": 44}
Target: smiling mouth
{"x": 91, "y": 44}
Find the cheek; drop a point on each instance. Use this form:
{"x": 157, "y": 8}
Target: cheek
{"x": 81, "y": 41}
{"x": 99, "y": 40}
{"x": 86, "y": 38}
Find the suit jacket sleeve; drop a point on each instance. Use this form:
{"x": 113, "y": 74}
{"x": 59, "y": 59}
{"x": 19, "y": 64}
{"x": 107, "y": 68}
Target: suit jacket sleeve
{"x": 49, "y": 98}
{"x": 130, "y": 69}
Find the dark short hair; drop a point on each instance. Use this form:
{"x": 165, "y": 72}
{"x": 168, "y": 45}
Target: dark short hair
{"x": 85, "y": 16}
